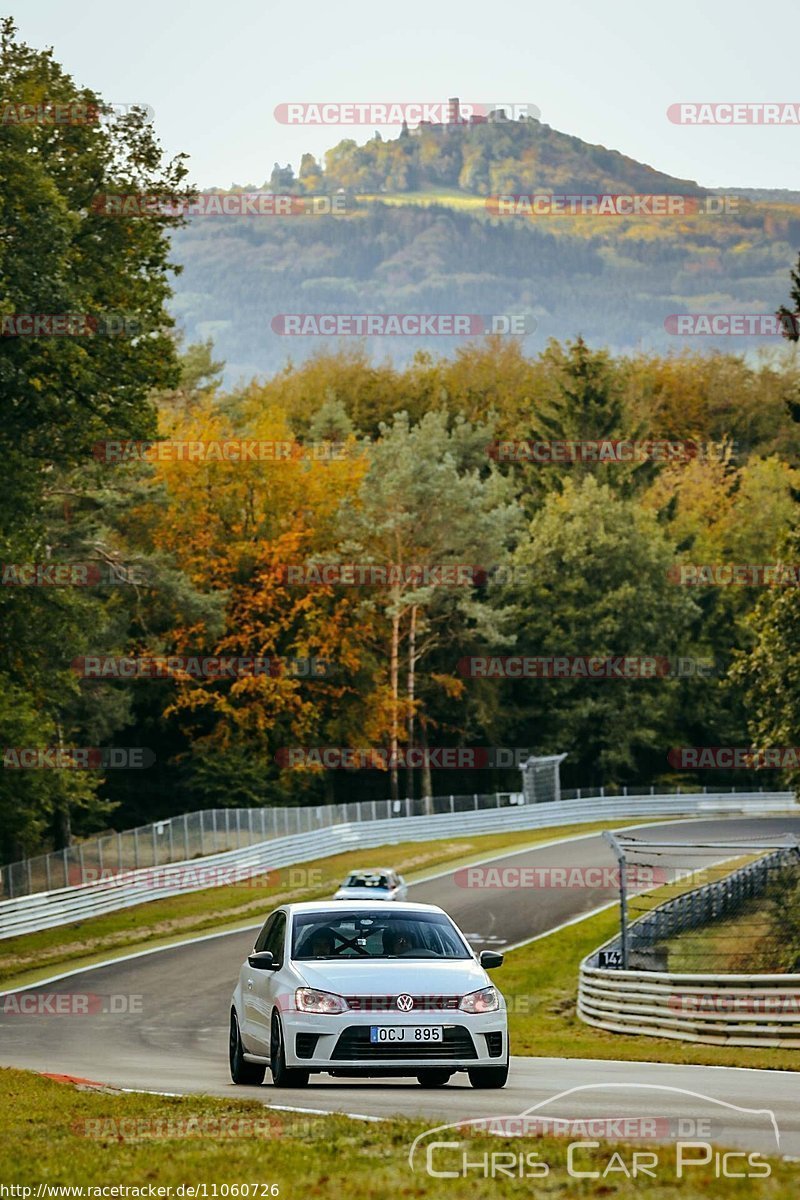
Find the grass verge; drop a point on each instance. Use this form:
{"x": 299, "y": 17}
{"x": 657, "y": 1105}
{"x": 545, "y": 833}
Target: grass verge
{"x": 34, "y": 956}
{"x": 733, "y": 945}
{"x": 52, "y": 1133}
{"x": 540, "y": 983}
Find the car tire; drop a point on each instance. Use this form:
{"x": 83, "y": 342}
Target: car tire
{"x": 488, "y": 1077}
{"x": 282, "y": 1076}
{"x": 241, "y": 1071}
{"x": 433, "y": 1078}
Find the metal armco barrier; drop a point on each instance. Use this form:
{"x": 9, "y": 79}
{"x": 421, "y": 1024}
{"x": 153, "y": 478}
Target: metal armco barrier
{"x": 113, "y": 891}
{"x": 719, "y": 1009}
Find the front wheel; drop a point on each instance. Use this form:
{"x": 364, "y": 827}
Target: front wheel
{"x": 242, "y": 1071}
{"x": 433, "y": 1078}
{"x": 488, "y": 1077}
{"x": 282, "y": 1076}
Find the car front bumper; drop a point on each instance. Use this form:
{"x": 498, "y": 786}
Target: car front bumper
{"x": 342, "y": 1042}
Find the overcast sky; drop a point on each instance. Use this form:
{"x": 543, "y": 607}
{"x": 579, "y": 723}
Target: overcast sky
{"x": 214, "y": 72}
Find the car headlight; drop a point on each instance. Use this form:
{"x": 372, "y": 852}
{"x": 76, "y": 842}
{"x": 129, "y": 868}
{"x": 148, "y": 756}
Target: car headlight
{"x": 486, "y": 1000}
{"x": 311, "y": 1001}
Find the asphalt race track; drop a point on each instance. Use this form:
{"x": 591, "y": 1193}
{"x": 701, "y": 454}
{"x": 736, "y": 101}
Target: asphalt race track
{"x": 175, "y": 1039}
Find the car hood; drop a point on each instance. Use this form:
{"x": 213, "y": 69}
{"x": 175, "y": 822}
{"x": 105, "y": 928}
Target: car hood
{"x": 359, "y": 893}
{"x": 378, "y": 977}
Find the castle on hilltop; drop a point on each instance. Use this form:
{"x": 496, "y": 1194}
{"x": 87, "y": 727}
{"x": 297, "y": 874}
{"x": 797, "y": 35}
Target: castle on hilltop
{"x": 454, "y": 118}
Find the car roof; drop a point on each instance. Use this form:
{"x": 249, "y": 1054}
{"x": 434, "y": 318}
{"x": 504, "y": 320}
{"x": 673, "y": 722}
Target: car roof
{"x": 336, "y": 906}
{"x": 372, "y": 871}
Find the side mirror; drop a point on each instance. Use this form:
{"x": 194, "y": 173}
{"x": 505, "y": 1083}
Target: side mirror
{"x": 263, "y": 960}
{"x": 490, "y": 959}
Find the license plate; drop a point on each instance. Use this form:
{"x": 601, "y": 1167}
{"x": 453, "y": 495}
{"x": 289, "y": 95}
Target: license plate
{"x": 406, "y": 1033}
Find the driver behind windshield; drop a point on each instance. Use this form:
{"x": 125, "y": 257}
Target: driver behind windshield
{"x": 398, "y": 941}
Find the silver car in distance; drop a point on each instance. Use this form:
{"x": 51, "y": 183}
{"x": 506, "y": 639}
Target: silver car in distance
{"x": 376, "y": 883}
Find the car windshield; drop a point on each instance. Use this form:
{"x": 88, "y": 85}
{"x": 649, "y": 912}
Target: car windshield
{"x": 376, "y": 934}
{"x": 365, "y": 880}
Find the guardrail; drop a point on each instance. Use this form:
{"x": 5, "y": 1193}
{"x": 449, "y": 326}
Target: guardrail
{"x": 715, "y": 1009}
{"x": 214, "y": 830}
{"x": 115, "y": 890}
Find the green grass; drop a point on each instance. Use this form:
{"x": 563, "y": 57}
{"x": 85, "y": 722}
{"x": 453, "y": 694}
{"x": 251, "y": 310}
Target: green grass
{"x": 30, "y": 957}
{"x": 738, "y": 945}
{"x": 540, "y": 983}
{"x": 52, "y": 1133}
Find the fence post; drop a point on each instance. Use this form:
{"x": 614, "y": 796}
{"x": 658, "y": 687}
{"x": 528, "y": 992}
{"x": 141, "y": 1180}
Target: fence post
{"x": 47, "y": 869}
{"x": 171, "y": 844}
{"x": 66, "y": 867}
{"x": 264, "y": 823}
{"x": 238, "y": 827}
{"x": 155, "y": 845}
{"x": 186, "y": 835}
{"x": 136, "y": 848}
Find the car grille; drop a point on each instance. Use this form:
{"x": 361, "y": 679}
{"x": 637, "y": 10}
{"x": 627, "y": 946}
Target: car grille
{"x": 354, "y": 1044}
{"x": 305, "y": 1044}
{"x": 389, "y": 1003}
{"x": 494, "y": 1043}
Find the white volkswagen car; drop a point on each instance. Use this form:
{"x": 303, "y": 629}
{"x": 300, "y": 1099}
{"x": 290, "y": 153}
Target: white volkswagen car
{"x": 361, "y": 989}
{"x": 377, "y": 883}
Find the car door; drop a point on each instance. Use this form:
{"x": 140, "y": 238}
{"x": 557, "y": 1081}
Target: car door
{"x": 265, "y": 984}
{"x": 249, "y": 992}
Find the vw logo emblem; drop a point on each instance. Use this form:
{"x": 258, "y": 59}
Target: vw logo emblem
{"x": 405, "y": 1003}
